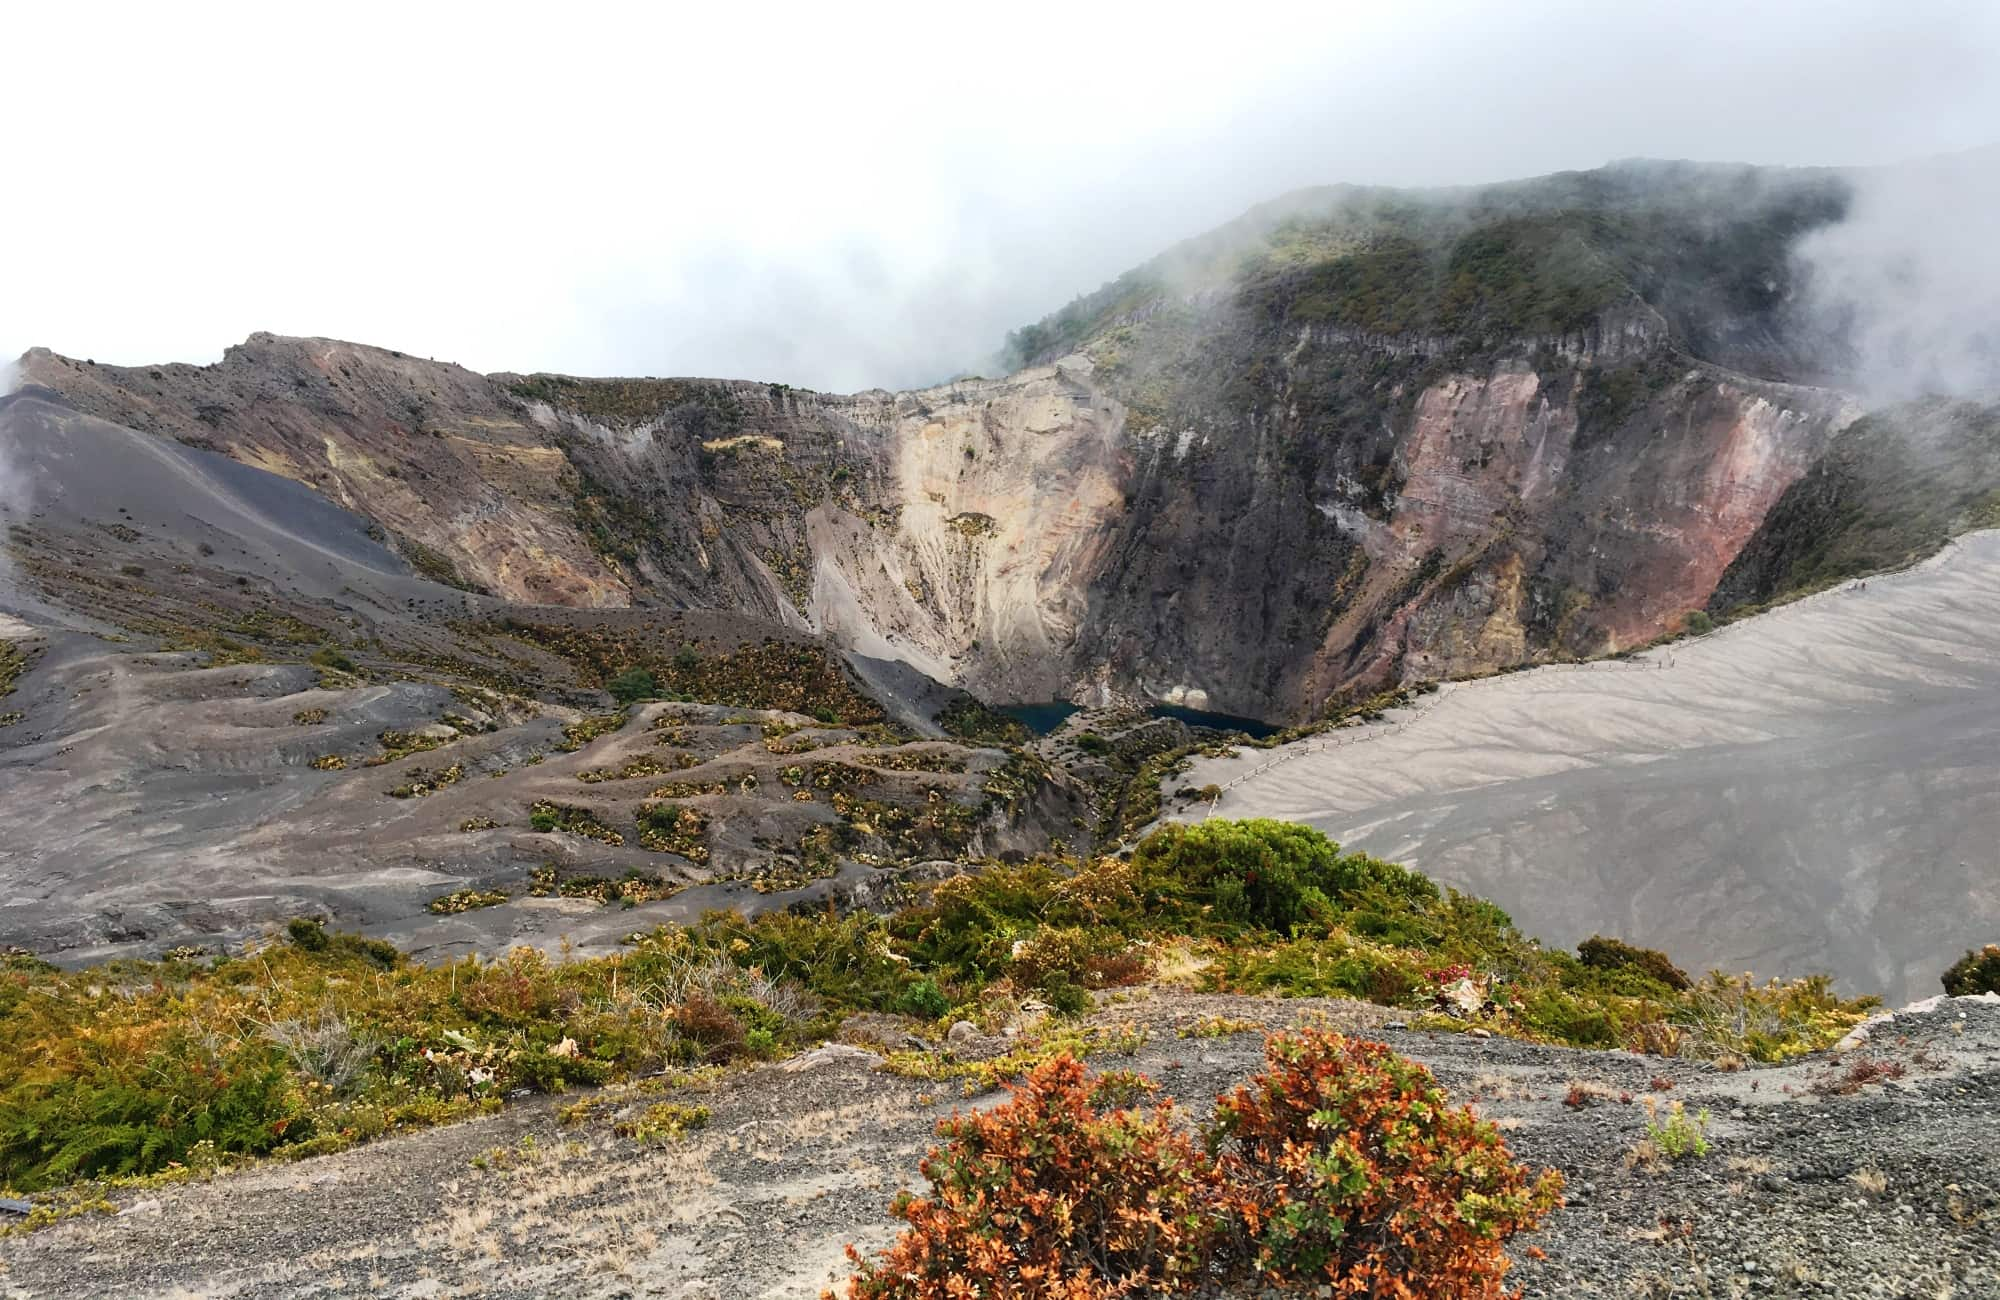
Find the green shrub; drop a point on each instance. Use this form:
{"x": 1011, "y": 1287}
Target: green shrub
{"x": 1343, "y": 1166}
{"x": 1600, "y": 953}
{"x": 133, "y": 1116}
{"x": 1276, "y": 875}
{"x": 1976, "y": 972}
{"x": 633, "y": 685}
{"x": 923, "y": 1000}
{"x": 1560, "y": 1016}
{"x": 332, "y": 657}
{"x": 307, "y": 933}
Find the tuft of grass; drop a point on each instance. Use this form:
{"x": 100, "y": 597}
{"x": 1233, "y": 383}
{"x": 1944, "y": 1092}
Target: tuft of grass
{"x": 467, "y": 900}
{"x": 586, "y": 729}
{"x": 664, "y": 1121}
{"x": 1671, "y": 1138}
{"x": 1218, "y": 1027}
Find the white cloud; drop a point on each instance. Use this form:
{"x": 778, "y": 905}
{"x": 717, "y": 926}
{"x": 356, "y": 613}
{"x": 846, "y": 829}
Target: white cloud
{"x": 1913, "y": 277}
{"x": 823, "y": 196}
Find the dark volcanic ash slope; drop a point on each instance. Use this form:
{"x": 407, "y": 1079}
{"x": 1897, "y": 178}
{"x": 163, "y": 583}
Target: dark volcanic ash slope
{"x": 226, "y": 704}
{"x": 1357, "y": 437}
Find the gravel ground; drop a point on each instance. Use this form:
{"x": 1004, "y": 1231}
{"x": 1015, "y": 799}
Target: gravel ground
{"x": 1892, "y": 1190}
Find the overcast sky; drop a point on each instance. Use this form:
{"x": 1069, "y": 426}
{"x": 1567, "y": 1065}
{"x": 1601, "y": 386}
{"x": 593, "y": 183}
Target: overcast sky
{"x": 831, "y": 198}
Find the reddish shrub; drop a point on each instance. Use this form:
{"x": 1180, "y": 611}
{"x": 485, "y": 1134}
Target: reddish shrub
{"x": 1046, "y": 1198}
{"x": 1339, "y": 1169}
{"x": 711, "y": 1026}
{"x": 1113, "y": 969}
{"x": 1088, "y": 959}
{"x": 1859, "y": 1074}
{"x": 1341, "y": 1164}
{"x": 516, "y": 989}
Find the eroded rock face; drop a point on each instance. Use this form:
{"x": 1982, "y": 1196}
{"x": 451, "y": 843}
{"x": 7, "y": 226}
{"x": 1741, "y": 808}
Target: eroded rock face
{"x": 1029, "y": 539}
{"x": 474, "y": 493}
{"x": 1496, "y": 519}
{"x": 1000, "y": 505}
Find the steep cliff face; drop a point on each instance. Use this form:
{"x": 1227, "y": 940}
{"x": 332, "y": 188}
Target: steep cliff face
{"x": 1359, "y": 437}
{"x": 1490, "y": 521}
{"x": 1890, "y": 489}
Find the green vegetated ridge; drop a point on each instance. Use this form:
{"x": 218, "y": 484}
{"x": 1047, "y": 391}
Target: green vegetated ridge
{"x": 630, "y": 401}
{"x": 1891, "y": 489}
{"x": 314, "y": 1041}
{"x": 1706, "y": 248}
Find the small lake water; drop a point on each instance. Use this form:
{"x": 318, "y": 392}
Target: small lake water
{"x": 1039, "y": 718}
{"x": 1044, "y": 718}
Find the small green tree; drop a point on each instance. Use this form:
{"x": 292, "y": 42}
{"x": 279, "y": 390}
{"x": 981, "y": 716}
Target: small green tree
{"x": 632, "y": 685}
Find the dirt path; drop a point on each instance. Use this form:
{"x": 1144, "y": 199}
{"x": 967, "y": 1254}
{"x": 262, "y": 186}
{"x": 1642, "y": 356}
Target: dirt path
{"x": 1890, "y": 1191}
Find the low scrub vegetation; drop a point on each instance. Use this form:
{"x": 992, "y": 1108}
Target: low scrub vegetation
{"x": 1340, "y": 1168}
{"x": 635, "y": 664}
{"x": 126, "y": 1068}
{"x": 467, "y": 900}
{"x": 1976, "y": 972}
{"x": 570, "y": 819}
{"x": 1670, "y": 1136}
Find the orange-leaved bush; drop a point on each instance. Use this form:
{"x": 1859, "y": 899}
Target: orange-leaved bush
{"x": 1342, "y": 1164}
{"x": 1045, "y": 1197}
{"x": 1338, "y": 1167}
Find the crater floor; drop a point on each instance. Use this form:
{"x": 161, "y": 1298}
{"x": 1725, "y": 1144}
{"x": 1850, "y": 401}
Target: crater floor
{"x": 1812, "y": 789}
